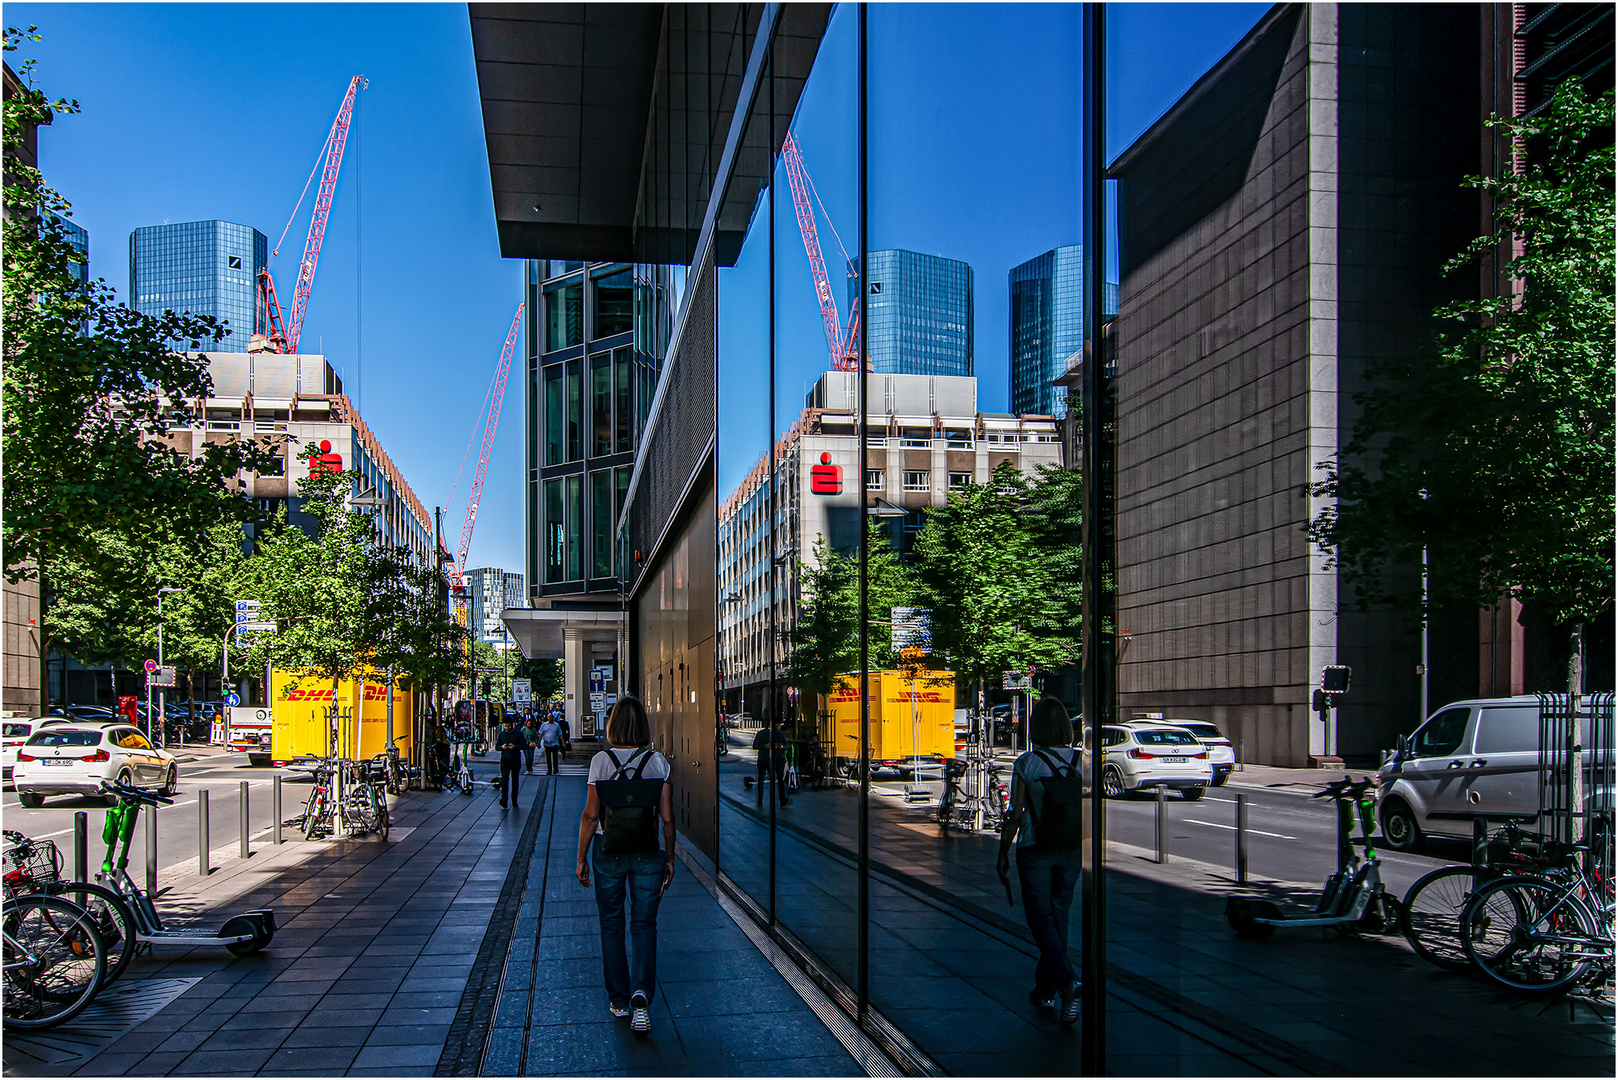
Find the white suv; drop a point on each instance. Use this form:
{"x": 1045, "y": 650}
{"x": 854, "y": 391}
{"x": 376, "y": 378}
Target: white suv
{"x": 1221, "y": 754}
{"x": 74, "y": 759}
{"x": 1150, "y": 753}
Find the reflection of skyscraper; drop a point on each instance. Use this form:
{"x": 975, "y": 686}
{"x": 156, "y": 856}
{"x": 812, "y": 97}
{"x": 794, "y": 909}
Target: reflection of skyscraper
{"x": 1047, "y": 326}
{"x": 204, "y": 267}
{"x": 917, "y": 315}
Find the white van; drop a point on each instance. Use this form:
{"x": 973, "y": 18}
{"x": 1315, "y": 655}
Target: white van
{"x": 1471, "y": 759}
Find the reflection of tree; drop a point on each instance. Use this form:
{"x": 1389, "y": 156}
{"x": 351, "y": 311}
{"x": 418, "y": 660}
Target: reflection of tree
{"x": 1494, "y": 456}
{"x": 999, "y": 566}
{"x": 823, "y": 643}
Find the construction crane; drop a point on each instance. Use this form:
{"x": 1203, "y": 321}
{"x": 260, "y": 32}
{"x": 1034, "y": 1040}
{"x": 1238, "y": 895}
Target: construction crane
{"x": 281, "y": 331}
{"x": 497, "y": 393}
{"x": 841, "y": 342}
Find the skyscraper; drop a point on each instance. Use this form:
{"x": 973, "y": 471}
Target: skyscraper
{"x": 204, "y": 267}
{"x": 917, "y": 314}
{"x": 492, "y": 590}
{"x": 1047, "y": 326}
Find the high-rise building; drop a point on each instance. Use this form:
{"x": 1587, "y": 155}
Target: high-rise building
{"x": 492, "y": 590}
{"x": 1047, "y": 326}
{"x": 917, "y": 313}
{"x": 203, "y": 267}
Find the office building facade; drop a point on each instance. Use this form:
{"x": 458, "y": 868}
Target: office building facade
{"x": 916, "y": 313}
{"x": 490, "y": 591}
{"x": 200, "y": 267}
{"x": 1047, "y": 326}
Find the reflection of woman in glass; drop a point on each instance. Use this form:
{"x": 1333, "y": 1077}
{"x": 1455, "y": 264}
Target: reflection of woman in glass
{"x": 1046, "y": 821}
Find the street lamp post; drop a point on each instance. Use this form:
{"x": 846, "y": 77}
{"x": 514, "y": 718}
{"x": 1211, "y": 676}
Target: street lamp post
{"x": 162, "y": 723}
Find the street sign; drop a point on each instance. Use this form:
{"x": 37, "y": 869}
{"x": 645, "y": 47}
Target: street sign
{"x": 612, "y": 699}
{"x": 247, "y": 605}
{"x": 912, "y": 629}
{"x": 1334, "y": 679}
{"x": 151, "y": 666}
{"x": 598, "y": 702}
{"x": 163, "y": 676}
{"x": 1017, "y": 680}
{"x": 232, "y": 700}
{"x": 522, "y": 691}
{"x": 256, "y": 627}
{"x": 597, "y": 683}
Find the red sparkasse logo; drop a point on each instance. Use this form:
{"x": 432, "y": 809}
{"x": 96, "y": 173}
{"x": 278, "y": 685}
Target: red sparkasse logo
{"x": 325, "y": 461}
{"x": 826, "y": 478}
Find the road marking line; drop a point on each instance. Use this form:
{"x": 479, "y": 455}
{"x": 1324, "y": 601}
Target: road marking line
{"x": 1232, "y": 828}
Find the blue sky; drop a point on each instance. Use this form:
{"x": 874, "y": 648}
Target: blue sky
{"x": 196, "y": 111}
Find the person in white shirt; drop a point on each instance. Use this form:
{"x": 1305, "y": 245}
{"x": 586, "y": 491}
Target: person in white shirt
{"x": 642, "y": 874}
{"x": 1046, "y": 820}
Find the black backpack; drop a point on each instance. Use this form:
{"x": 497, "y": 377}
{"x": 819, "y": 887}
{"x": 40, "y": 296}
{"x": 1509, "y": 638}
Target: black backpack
{"x": 629, "y": 807}
{"x": 1059, "y": 816}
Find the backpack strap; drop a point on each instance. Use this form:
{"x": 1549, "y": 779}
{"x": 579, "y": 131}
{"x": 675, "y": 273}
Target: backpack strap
{"x": 616, "y": 764}
{"x": 623, "y": 766}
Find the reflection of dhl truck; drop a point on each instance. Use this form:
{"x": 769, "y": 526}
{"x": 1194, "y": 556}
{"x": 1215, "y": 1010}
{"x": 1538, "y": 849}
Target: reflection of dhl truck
{"x": 302, "y": 726}
{"x": 912, "y": 717}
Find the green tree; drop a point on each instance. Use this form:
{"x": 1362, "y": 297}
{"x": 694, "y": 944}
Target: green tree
{"x": 87, "y": 412}
{"x": 995, "y": 566}
{"x": 210, "y": 572}
{"x": 100, "y": 617}
{"x": 412, "y": 633}
{"x": 1494, "y": 453}
{"x": 544, "y": 675}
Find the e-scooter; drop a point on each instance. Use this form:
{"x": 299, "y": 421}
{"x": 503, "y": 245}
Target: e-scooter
{"x": 242, "y": 934}
{"x": 1354, "y": 898}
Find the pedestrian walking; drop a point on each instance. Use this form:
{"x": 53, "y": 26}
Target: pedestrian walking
{"x": 567, "y": 733}
{"x": 512, "y": 743}
{"x": 1046, "y": 820}
{"x": 630, "y": 802}
{"x": 771, "y": 744}
{"x": 550, "y": 738}
{"x": 532, "y": 736}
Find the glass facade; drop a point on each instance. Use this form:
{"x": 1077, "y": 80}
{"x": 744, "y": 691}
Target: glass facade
{"x": 1047, "y": 326}
{"x": 917, "y": 316}
{"x": 200, "y": 267}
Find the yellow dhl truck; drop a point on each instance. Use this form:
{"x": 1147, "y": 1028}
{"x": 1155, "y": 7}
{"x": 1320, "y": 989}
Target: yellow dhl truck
{"x": 302, "y": 716}
{"x": 912, "y": 721}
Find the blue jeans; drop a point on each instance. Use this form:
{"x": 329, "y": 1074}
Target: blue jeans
{"x": 641, "y": 876}
{"x": 1048, "y": 879}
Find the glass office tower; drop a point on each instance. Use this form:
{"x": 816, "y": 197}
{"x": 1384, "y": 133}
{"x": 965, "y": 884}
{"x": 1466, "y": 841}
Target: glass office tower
{"x": 203, "y": 267}
{"x": 917, "y": 313}
{"x": 1047, "y": 326}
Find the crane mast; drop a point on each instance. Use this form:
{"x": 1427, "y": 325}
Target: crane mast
{"x": 284, "y": 331}
{"x": 841, "y": 344}
{"x": 489, "y": 427}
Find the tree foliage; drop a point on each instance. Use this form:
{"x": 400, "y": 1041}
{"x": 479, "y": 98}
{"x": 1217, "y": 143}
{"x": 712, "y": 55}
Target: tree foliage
{"x": 91, "y": 387}
{"x": 1494, "y": 452}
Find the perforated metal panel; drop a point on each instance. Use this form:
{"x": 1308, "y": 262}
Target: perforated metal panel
{"x": 682, "y": 426}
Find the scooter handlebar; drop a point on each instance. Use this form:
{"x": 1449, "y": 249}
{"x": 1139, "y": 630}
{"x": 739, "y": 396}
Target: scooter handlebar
{"x": 128, "y": 791}
{"x": 1347, "y": 786}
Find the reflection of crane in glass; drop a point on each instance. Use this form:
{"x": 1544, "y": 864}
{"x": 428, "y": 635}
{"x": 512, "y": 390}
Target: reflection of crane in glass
{"x": 842, "y": 342}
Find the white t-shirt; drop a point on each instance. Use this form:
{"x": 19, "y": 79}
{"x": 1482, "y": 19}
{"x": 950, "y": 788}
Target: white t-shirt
{"x": 652, "y": 765}
{"x": 1028, "y": 776}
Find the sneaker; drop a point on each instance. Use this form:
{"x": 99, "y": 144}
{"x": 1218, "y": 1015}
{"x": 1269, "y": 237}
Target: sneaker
{"x": 1044, "y": 999}
{"x": 640, "y": 1016}
{"x": 618, "y": 1011}
{"x": 1070, "y": 1005}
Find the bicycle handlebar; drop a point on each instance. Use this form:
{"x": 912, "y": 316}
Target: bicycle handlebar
{"x": 136, "y": 794}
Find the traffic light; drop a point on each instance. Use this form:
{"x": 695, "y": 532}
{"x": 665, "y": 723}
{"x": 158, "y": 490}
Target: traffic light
{"x": 485, "y": 687}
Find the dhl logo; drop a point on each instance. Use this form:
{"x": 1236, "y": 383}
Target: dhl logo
{"x": 296, "y": 693}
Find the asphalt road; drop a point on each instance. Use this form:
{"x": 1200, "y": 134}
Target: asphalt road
{"x": 219, "y": 773}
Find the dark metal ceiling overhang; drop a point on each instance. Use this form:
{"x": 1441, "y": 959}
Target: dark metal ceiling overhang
{"x": 603, "y": 121}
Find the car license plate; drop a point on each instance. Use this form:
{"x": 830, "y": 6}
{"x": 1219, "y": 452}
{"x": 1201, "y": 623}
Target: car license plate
{"x": 55, "y": 761}
{"x": 1174, "y": 760}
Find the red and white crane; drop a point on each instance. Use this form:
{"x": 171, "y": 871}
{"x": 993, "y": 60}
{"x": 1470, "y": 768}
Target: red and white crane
{"x": 843, "y": 343}
{"x": 282, "y": 331}
{"x": 497, "y": 393}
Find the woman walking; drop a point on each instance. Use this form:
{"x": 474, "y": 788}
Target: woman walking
{"x": 1046, "y": 820}
{"x": 629, "y": 804}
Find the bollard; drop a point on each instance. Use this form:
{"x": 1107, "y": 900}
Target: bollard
{"x": 275, "y": 809}
{"x": 1241, "y": 755}
{"x": 1241, "y": 837}
{"x": 1162, "y": 810}
{"x": 81, "y": 846}
{"x": 241, "y": 815}
{"x": 202, "y": 833}
{"x": 1480, "y": 843}
{"x": 151, "y": 852}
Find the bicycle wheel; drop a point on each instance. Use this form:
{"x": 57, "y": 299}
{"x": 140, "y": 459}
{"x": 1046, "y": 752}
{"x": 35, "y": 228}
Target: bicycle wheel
{"x": 1431, "y": 916}
{"x": 1529, "y": 934}
{"x": 53, "y": 960}
{"x": 379, "y": 810}
{"x": 113, "y": 921}
{"x": 313, "y": 813}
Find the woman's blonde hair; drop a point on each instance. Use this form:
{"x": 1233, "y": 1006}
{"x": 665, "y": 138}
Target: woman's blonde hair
{"x": 627, "y": 725}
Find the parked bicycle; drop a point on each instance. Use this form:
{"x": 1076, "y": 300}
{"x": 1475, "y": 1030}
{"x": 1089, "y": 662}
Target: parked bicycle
{"x": 53, "y": 961}
{"x": 35, "y": 866}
